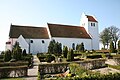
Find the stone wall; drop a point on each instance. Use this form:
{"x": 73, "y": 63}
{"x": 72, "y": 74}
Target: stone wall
{"x": 116, "y": 60}
{"x": 11, "y": 71}
{"x": 92, "y": 64}
{"x": 53, "y": 68}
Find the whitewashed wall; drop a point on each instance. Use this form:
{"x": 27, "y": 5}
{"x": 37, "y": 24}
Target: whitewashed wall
{"x": 37, "y": 46}
{"x": 91, "y": 30}
{"x": 69, "y": 41}
{"x": 10, "y": 46}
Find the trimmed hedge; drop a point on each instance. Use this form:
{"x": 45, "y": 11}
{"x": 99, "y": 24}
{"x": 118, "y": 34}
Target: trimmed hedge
{"x": 115, "y": 76}
{"x": 3, "y": 64}
{"x": 94, "y": 56}
{"x": 45, "y": 57}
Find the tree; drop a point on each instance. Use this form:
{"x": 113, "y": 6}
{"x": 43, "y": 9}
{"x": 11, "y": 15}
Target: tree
{"x": 17, "y": 52}
{"x": 114, "y": 33}
{"x": 65, "y": 51}
{"x": 7, "y": 55}
{"x": 112, "y": 49}
{"x": 70, "y": 55}
{"x": 119, "y": 46}
{"x": 55, "y": 47}
{"x": 24, "y": 52}
{"x": 105, "y": 37}
{"x": 51, "y": 46}
{"x": 80, "y": 47}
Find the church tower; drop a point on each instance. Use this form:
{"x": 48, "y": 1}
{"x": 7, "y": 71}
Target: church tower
{"x": 90, "y": 23}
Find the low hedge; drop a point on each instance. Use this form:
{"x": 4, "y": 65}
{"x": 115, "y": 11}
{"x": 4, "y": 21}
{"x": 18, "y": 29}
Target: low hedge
{"x": 115, "y": 67}
{"x": 45, "y": 57}
{"x": 1, "y": 56}
{"x": 115, "y": 76}
{"x": 19, "y": 63}
{"x": 94, "y": 56}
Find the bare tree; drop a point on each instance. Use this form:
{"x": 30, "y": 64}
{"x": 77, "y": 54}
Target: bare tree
{"x": 114, "y": 33}
{"x": 105, "y": 37}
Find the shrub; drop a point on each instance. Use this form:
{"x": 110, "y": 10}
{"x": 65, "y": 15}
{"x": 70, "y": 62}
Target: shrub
{"x": 7, "y": 55}
{"x": 70, "y": 55}
{"x": 50, "y": 58}
{"x": 65, "y": 51}
{"x": 119, "y": 46}
{"x": 112, "y": 49}
{"x": 94, "y": 56}
{"x": 24, "y": 52}
{"x": 17, "y": 52}
{"x": 76, "y": 69}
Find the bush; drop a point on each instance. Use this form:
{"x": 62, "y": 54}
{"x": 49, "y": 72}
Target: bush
{"x": 24, "y": 52}
{"x": 94, "y": 56}
{"x": 112, "y": 49}
{"x": 7, "y": 55}
{"x": 50, "y": 58}
{"x": 76, "y": 69}
{"x": 65, "y": 51}
{"x": 29, "y": 59}
{"x": 17, "y": 52}
{"x": 70, "y": 55}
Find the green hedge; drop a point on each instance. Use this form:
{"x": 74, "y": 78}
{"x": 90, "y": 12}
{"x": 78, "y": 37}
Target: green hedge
{"x": 3, "y": 64}
{"x": 94, "y": 56}
{"x": 115, "y": 67}
{"x": 45, "y": 57}
{"x": 115, "y": 76}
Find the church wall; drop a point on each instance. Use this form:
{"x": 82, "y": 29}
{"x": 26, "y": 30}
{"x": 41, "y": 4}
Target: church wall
{"x": 69, "y": 42}
{"x": 38, "y": 45}
{"x": 93, "y": 31}
{"x": 9, "y": 46}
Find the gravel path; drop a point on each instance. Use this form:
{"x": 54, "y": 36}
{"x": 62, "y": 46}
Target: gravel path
{"x": 32, "y": 72}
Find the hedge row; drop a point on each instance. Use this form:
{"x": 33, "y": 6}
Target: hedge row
{"x": 19, "y": 63}
{"x": 115, "y": 76}
{"x": 94, "y": 56}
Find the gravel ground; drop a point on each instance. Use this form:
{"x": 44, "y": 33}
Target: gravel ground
{"x": 32, "y": 72}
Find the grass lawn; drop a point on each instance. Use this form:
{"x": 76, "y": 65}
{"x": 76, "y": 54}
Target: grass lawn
{"x": 13, "y": 79}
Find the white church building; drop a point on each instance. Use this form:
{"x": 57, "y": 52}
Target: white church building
{"x": 36, "y": 39}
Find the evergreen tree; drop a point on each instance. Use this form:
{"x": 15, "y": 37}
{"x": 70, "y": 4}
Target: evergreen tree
{"x": 112, "y": 49}
{"x": 80, "y": 47}
{"x": 65, "y": 51}
{"x": 7, "y": 55}
{"x": 17, "y": 52}
{"x": 70, "y": 55}
{"x": 24, "y": 52}
{"x": 119, "y": 46}
{"x": 55, "y": 47}
{"x": 51, "y": 46}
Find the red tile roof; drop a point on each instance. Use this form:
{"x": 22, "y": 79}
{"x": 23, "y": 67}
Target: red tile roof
{"x": 28, "y": 32}
{"x": 91, "y": 18}
{"x": 67, "y": 31}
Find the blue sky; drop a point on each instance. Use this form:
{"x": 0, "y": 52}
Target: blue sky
{"x": 39, "y": 12}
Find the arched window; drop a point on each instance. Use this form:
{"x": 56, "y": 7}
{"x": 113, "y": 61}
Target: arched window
{"x": 43, "y": 41}
{"x": 73, "y": 46}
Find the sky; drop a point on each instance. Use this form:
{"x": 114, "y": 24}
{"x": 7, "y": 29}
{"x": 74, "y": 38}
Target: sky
{"x": 40, "y": 12}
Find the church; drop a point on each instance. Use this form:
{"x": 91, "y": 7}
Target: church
{"x": 36, "y": 39}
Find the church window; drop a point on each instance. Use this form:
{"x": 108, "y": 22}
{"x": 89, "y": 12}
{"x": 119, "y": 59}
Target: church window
{"x": 73, "y": 46}
{"x": 31, "y": 41}
{"x": 43, "y": 41}
{"x": 92, "y": 24}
